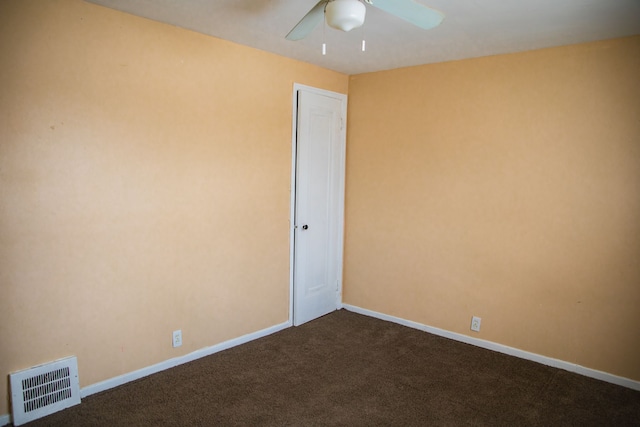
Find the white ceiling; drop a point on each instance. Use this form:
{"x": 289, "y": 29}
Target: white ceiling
{"x": 471, "y": 28}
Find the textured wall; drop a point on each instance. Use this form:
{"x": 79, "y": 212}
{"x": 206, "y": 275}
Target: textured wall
{"x": 144, "y": 187}
{"x": 506, "y": 187}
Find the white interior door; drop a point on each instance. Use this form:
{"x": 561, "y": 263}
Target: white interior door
{"x": 320, "y": 138}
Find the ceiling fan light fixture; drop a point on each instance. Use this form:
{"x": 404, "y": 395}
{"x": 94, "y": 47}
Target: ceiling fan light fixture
{"x": 345, "y": 15}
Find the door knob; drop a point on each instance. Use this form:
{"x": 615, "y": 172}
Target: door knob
{"x": 304, "y": 227}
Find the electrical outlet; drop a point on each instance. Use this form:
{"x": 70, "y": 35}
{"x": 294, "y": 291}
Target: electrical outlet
{"x": 177, "y": 338}
{"x": 475, "y": 323}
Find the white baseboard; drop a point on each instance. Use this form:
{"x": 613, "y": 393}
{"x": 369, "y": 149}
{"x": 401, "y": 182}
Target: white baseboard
{"x": 140, "y": 373}
{"x": 549, "y": 361}
{"x": 556, "y": 363}
{"x": 207, "y": 351}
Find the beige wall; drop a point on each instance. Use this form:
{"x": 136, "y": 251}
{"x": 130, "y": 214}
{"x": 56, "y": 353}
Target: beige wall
{"x": 145, "y": 176}
{"x": 506, "y": 187}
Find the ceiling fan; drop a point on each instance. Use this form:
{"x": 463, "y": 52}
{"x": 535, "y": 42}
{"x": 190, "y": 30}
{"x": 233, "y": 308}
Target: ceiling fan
{"x": 346, "y": 15}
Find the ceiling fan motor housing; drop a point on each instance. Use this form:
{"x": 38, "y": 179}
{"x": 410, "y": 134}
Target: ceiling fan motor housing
{"x": 345, "y": 15}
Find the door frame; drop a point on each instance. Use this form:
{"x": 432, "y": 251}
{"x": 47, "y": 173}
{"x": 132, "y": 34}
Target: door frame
{"x": 297, "y": 87}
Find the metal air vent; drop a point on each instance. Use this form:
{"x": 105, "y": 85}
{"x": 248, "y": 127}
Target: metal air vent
{"x": 44, "y": 389}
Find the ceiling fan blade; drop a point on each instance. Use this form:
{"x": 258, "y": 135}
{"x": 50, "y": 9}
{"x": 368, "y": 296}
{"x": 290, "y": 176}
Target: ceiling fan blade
{"x": 415, "y": 13}
{"x": 308, "y": 23}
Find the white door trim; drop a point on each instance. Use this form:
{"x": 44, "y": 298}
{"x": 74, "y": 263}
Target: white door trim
{"x": 294, "y": 119}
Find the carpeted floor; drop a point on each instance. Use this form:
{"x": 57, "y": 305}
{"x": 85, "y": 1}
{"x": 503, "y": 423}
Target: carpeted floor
{"x": 352, "y": 370}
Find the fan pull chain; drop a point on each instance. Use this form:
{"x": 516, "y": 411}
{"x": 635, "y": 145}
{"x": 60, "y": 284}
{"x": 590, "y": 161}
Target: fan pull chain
{"x": 324, "y": 36}
{"x": 363, "y": 45}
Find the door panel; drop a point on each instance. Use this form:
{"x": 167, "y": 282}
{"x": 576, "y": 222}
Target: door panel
{"x": 319, "y": 205}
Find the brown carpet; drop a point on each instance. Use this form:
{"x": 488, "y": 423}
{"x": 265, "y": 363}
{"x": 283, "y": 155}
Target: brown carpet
{"x": 352, "y": 370}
